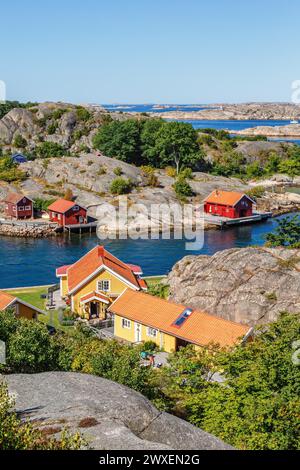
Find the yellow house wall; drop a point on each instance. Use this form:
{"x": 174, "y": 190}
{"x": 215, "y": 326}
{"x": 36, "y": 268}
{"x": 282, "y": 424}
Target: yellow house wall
{"x": 169, "y": 343}
{"x": 25, "y": 312}
{"x": 116, "y": 287}
{"x": 63, "y": 286}
{"x": 163, "y": 340}
{"x": 124, "y": 333}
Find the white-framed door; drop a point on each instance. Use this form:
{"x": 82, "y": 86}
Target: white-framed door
{"x": 137, "y": 332}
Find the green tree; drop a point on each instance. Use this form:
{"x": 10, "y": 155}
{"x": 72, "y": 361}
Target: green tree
{"x": 40, "y": 204}
{"x": 257, "y": 407}
{"x": 290, "y": 166}
{"x": 287, "y": 232}
{"x": 272, "y": 164}
{"x": 149, "y": 134}
{"x": 50, "y": 149}
{"x": 230, "y": 164}
{"x": 120, "y": 139}
{"x": 28, "y": 344}
{"x": 254, "y": 170}
{"x": 176, "y": 144}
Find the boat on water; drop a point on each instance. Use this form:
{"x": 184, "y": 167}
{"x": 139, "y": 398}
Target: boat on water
{"x": 294, "y": 121}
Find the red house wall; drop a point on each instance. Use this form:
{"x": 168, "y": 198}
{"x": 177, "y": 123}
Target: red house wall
{"x": 14, "y": 210}
{"x": 71, "y": 217}
{"x": 242, "y": 209}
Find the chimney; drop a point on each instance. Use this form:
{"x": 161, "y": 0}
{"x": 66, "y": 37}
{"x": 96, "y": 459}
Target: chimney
{"x": 217, "y": 192}
{"x": 100, "y": 251}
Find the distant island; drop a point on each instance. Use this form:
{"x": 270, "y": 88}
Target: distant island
{"x": 240, "y": 112}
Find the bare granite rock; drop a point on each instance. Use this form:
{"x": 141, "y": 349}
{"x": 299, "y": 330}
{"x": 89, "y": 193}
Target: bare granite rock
{"x": 17, "y": 121}
{"x": 249, "y": 285}
{"x": 240, "y": 111}
{"x": 116, "y": 416}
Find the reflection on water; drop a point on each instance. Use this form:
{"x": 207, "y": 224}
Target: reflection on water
{"x": 26, "y": 262}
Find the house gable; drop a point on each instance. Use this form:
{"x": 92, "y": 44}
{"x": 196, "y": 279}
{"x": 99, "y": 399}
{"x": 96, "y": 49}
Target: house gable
{"x": 117, "y": 286}
{"x": 93, "y": 262}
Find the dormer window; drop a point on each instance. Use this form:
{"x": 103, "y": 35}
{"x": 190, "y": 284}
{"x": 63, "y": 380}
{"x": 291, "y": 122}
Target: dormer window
{"x": 103, "y": 285}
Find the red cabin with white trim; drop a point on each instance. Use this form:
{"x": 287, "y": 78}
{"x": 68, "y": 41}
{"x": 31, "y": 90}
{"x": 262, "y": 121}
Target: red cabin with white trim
{"x": 65, "y": 212}
{"x": 18, "y": 206}
{"x": 231, "y": 204}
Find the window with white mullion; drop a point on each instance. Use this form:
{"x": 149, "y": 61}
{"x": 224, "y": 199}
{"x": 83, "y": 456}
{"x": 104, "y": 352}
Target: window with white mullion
{"x": 103, "y": 285}
{"x": 152, "y": 332}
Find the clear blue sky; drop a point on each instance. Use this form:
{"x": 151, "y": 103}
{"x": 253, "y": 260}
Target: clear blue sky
{"x": 137, "y": 51}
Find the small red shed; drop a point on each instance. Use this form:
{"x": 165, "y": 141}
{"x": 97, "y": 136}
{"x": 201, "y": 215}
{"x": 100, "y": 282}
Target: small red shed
{"x": 231, "y": 204}
{"x": 66, "y": 212}
{"x": 18, "y": 206}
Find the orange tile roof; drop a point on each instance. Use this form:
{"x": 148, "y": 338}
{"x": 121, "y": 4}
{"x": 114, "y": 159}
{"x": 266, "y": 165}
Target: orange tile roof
{"x": 199, "y": 328}
{"x": 93, "y": 295}
{"x": 5, "y": 300}
{"x": 228, "y": 198}
{"x": 61, "y": 206}
{"x": 93, "y": 260}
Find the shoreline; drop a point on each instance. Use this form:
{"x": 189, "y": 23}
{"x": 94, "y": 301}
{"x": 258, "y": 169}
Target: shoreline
{"x": 275, "y": 213}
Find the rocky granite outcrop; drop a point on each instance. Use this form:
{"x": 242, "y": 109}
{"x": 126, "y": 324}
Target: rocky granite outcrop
{"x": 110, "y": 416}
{"x": 291, "y": 130}
{"x": 53, "y": 122}
{"x": 242, "y": 111}
{"x": 249, "y": 285}
{"x": 278, "y": 202}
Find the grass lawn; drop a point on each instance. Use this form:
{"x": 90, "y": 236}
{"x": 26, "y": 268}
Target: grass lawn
{"x": 32, "y": 295}
{"x": 153, "y": 281}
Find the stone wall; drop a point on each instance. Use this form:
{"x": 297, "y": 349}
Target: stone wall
{"x": 27, "y": 231}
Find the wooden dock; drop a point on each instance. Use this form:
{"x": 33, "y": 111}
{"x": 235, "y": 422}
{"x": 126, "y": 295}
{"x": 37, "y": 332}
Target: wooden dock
{"x": 225, "y": 221}
{"x": 81, "y": 228}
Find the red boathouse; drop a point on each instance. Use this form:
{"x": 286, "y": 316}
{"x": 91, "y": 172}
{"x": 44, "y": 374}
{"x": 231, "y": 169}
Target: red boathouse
{"x": 231, "y": 204}
{"x": 66, "y": 212}
{"x": 18, "y": 206}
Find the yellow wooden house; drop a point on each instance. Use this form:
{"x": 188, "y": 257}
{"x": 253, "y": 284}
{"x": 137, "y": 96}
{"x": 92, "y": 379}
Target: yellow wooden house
{"x": 140, "y": 317}
{"x": 20, "y": 307}
{"x": 92, "y": 283}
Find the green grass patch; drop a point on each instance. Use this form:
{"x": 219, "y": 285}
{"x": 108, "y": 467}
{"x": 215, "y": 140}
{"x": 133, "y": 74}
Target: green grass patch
{"x": 153, "y": 281}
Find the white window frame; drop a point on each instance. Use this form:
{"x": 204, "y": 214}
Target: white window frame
{"x": 100, "y": 285}
{"x": 21, "y": 209}
{"x": 27, "y": 208}
{"x": 76, "y": 208}
{"x": 152, "y": 332}
{"x": 126, "y": 323}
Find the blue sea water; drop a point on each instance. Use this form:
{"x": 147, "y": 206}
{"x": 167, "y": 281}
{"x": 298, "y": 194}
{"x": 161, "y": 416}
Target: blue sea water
{"x": 230, "y": 125}
{"x": 25, "y": 262}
